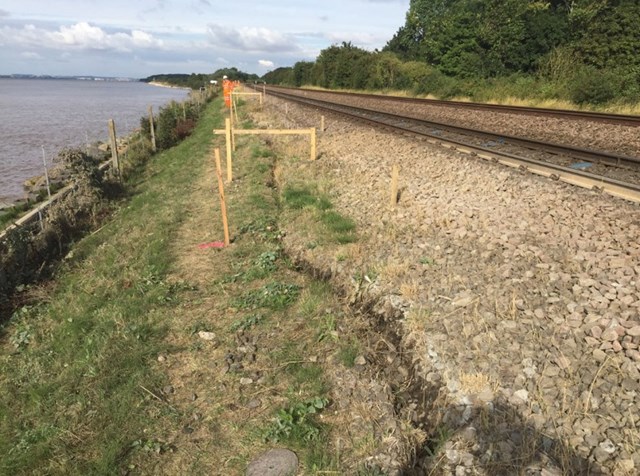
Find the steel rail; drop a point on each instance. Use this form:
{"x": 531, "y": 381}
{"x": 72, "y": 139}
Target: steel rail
{"x": 568, "y": 175}
{"x": 610, "y": 118}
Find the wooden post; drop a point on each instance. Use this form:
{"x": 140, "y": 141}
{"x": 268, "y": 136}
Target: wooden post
{"x": 223, "y": 204}
{"x": 321, "y": 123}
{"x": 227, "y": 124}
{"x": 46, "y": 173}
{"x": 394, "y": 186}
{"x": 231, "y": 128}
{"x": 184, "y": 110}
{"x": 153, "y": 130}
{"x": 235, "y": 108}
{"x": 261, "y": 100}
{"x": 114, "y": 147}
{"x": 313, "y": 143}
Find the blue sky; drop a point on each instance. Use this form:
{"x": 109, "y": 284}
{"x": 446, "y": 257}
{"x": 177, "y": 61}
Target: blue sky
{"x": 138, "y": 38}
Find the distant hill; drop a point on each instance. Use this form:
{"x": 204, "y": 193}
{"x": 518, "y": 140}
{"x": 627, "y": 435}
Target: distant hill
{"x": 79, "y": 78}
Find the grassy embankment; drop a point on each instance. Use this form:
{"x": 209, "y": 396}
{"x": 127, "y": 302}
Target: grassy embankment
{"x": 150, "y": 355}
{"x": 508, "y": 94}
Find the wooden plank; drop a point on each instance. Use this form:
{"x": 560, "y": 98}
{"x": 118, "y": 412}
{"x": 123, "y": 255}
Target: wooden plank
{"x": 277, "y": 132}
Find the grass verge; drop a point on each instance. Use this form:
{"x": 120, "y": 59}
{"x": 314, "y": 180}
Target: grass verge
{"x": 150, "y": 355}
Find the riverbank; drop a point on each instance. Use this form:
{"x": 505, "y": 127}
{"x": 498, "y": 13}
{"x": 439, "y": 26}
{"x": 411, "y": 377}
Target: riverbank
{"x": 167, "y": 85}
{"x": 57, "y": 114}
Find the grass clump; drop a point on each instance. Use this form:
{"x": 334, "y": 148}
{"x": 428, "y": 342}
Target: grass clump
{"x": 335, "y": 227}
{"x": 302, "y": 197}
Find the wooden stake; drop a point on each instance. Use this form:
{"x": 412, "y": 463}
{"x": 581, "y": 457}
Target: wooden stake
{"x": 394, "y": 185}
{"x": 153, "y": 130}
{"x": 321, "y": 123}
{"x": 223, "y": 204}
{"x": 114, "y": 147}
{"x": 233, "y": 136}
{"x": 46, "y": 173}
{"x": 227, "y": 123}
{"x": 313, "y": 143}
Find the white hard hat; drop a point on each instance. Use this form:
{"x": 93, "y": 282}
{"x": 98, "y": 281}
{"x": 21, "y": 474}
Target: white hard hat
{"x": 224, "y": 77}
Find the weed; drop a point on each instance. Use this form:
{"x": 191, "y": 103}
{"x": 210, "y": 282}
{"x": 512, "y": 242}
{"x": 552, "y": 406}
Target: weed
{"x": 267, "y": 261}
{"x": 275, "y": 296}
{"x": 151, "y": 446}
{"x": 327, "y": 329}
{"x": 427, "y": 261}
{"x": 246, "y": 322}
{"x": 348, "y": 353}
{"x": 296, "y": 422}
{"x": 437, "y": 441}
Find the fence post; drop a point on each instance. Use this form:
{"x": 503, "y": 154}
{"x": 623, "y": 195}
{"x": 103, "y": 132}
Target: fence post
{"x": 313, "y": 143}
{"x": 114, "y": 148}
{"x": 46, "y": 173}
{"x": 223, "y": 204}
{"x": 394, "y": 186}
{"x": 153, "y": 130}
{"x": 227, "y": 124}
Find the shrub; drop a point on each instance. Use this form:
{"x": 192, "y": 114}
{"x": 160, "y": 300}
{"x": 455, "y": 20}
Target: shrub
{"x": 593, "y": 86}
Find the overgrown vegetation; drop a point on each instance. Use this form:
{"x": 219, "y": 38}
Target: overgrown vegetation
{"x": 583, "y": 51}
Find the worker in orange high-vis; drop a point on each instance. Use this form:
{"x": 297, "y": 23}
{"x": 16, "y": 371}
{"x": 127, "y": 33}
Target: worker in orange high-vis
{"x": 227, "y": 88}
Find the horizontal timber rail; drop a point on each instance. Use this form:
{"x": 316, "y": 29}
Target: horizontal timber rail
{"x": 34, "y": 214}
{"x": 433, "y": 132}
{"x": 609, "y": 118}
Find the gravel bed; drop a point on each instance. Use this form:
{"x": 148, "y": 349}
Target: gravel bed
{"x": 580, "y": 133}
{"x": 517, "y": 298}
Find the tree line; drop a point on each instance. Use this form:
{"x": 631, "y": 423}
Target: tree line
{"x": 587, "y": 51}
{"x": 197, "y": 80}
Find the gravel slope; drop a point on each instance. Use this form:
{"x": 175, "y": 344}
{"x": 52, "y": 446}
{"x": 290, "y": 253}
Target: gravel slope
{"x": 517, "y": 299}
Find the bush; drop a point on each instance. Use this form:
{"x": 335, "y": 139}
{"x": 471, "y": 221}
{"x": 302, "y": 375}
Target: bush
{"x": 174, "y": 122}
{"x": 593, "y": 86}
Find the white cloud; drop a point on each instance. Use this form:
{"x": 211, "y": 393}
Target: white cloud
{"x": 266, "y": 63}
{"x": 251, "y": 39}
{"x": 81, "y": 36}
{"x": 30, "y": 55}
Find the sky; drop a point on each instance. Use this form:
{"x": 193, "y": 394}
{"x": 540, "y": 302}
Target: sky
{"x": 139, "y": 38}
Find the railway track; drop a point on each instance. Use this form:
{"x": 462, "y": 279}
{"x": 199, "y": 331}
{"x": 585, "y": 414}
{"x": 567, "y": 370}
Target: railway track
{"x": 607, "y": 118}
{"x": 614, "y": 174}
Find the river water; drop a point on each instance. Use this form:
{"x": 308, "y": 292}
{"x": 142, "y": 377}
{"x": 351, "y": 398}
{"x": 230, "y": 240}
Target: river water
{"x": 64, "y": 113}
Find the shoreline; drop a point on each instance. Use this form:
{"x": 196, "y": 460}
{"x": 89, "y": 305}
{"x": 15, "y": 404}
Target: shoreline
{"x": 167, "y": 85}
